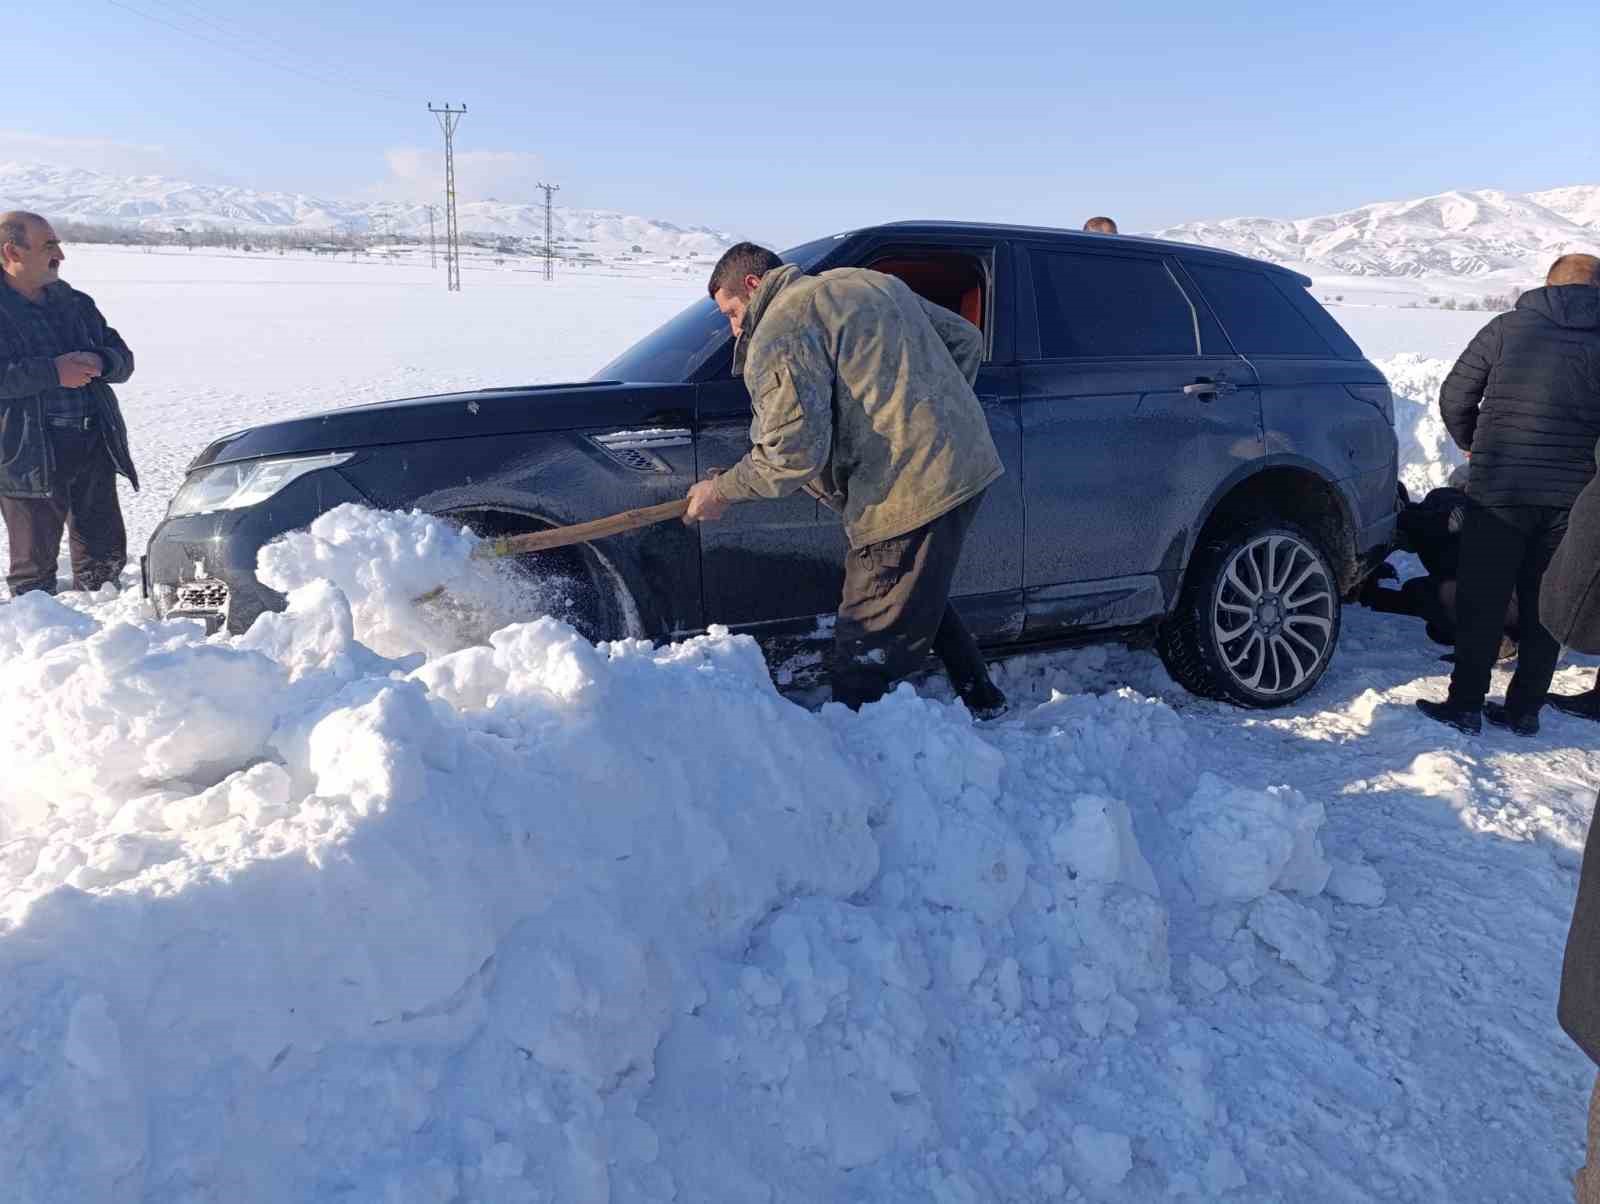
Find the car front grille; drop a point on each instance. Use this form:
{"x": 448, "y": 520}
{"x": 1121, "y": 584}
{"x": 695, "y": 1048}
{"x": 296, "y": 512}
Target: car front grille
{"x": 200, "y": 597}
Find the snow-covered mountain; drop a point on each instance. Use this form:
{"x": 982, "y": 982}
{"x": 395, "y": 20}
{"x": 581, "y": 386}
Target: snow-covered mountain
{"x": 1461, "y": 234}
{"x": 1452, "y": 234}
{"x": 71, "y": 194}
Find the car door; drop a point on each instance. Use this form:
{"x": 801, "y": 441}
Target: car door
{"x": 769, "y": 567}
{"x": 778, "y": 566}
{"x": 1133, "y": 409}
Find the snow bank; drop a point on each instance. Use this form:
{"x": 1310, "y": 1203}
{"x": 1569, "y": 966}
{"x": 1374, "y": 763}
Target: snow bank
{"x": 283, "y": 917}
{"x": 1427, "y": 453}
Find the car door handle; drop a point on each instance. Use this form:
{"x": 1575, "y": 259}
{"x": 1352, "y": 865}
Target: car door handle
{"x": 1210, "y": 388}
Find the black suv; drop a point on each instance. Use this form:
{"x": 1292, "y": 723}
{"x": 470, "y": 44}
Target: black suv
{"x": 1193, "y": 447}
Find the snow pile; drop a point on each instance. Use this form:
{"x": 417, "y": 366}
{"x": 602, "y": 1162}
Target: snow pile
{"x": 283, "y": 918}
{"x": 1428, "y": 455}
{"x": 384, "y": 565}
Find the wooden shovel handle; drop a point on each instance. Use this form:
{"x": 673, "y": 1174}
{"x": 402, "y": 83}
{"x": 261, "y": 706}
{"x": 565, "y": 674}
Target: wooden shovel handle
{"x": 561, "y": 537}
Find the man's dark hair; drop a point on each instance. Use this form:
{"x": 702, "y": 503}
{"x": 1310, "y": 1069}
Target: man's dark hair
{"x": 1575, "y": 269}
{"x": 14, "y": 226}
{"x": 738, "y": 261}
{"x": 1100, "y": 225}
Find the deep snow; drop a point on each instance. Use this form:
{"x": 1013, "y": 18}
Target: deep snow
{"x": 329, "y": 911}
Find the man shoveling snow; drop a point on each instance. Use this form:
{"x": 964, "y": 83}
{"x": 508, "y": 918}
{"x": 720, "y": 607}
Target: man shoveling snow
{"x": 862, "y": 395}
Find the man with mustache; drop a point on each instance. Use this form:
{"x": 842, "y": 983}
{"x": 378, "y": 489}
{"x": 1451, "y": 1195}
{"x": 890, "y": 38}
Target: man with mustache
{"x": 62, "y": 438}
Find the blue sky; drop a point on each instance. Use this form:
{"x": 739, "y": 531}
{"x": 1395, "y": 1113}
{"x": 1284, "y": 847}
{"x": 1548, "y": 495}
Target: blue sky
{"x": 787, "y": 120}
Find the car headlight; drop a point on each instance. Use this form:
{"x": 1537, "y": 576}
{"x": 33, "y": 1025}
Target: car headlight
{"x": 232, "y": 486}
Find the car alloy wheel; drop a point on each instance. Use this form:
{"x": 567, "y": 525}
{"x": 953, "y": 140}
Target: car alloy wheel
{"x": 1272, "y": 616}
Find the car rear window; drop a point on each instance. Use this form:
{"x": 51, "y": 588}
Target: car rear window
{"x": 1109, "y": 305}
{"x": 1259, "y": 316}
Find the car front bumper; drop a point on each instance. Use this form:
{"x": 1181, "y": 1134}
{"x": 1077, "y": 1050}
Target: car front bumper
{"x": 203, "y": 566}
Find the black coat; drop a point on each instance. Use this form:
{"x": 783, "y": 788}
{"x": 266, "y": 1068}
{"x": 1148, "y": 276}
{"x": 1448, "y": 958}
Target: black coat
{"x": 1579, "y": 1009}
{"x": 1524, "y": 399}
{"x": 1569, "y": 596}
{"x": 27, "y": 371}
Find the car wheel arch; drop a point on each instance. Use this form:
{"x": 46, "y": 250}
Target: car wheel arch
{"x": 1292, "y": 488}
{"x": 606, "y": 574}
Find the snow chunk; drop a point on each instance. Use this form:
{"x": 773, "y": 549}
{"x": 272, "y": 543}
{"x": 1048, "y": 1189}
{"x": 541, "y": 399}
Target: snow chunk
{"x": 1356, "y": 882}
{"x": 1098, "y": 845}
{"x": 1241, "y": 843}
{"x": 1299, "y": 935}
{"x": 1106, "y": 1157}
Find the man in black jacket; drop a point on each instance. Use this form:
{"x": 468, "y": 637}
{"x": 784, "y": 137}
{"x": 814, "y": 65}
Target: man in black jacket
{"x": 62, "y": 438}
{"x": 1524, "y": 399}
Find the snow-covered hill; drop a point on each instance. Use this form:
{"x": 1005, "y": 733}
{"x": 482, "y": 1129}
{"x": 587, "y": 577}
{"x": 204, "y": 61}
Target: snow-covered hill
{"x": 1466, "y": 235}
{"x": 1453, "y": 234}
{"x": 71, "y": 194}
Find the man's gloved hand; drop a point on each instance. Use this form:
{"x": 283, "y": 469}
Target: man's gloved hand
{"x": 77, "y": 368}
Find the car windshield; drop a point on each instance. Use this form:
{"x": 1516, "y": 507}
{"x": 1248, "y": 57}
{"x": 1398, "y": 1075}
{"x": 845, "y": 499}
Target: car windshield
{"x": 674, "y": 352}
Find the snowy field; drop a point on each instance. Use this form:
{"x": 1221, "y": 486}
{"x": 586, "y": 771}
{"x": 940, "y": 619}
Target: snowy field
{"x": 282, "y": 918}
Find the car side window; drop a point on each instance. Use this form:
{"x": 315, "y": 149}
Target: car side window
{"x": 956, "y": 279}
{"x": 1093, "y": 305}
{"x": 1258, "y": 317}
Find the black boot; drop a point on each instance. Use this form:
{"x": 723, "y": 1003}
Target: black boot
{"x": 1584, "y": 706}
{"x": 1518, "y": 725}
{"x": 985, "y": 700}
{"x": 1463, "y": 719}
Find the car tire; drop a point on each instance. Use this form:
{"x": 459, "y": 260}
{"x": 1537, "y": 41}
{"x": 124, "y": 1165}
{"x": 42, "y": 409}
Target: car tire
{"x": 564, "y": 583}
{"x": 565, "y": 588}
{"x": 1258, "y": 619}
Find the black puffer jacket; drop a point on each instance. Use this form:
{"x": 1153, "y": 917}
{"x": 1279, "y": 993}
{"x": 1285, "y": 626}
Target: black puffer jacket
{"x": 1524, "y": 399}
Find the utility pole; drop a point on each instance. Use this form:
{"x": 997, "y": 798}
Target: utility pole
{"x": 448, "y": 120}
{"x": 433, "y": 250}
{"x": 549, "y": 240}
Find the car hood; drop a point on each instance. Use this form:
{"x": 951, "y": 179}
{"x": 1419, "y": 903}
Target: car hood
{"x": 526, "y": 409}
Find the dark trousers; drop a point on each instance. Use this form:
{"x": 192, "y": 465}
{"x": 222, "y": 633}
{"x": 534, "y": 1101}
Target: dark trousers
{"x": 1505, "y": 551}
{"x": 84, "y": 502}
{"x": 896, "y": 609}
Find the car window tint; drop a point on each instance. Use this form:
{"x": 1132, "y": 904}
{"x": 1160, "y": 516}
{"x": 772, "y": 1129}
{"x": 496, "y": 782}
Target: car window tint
{"x": 1259, "y": 319}
{"x": 1109, "y": 305}
{"x": 675, "y": 351}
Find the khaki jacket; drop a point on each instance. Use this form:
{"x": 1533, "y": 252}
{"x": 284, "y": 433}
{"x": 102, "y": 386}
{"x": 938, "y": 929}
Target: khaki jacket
{"x": 862, "y": 395}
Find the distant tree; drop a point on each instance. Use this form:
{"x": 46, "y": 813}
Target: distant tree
{"x": 1450, "y": 303}
{"x": 1339, "y": 298}
{"x": 636, "y": 249}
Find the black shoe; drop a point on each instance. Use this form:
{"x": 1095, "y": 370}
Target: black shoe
{"x": 1518, "y": 725}
{"x": 1584, "y": 706}
{"x": 985, "y": 700}
{"x": 1463, "y": 719}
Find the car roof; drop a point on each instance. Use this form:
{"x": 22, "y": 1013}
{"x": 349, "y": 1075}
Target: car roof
{"x": 1131, "y": 241}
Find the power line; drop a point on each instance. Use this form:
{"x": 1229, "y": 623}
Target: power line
{"x": 229, "y": 28}
{"x": 343, "y": 84}
{"x": 549, "y": 242}
{"x": 448, "y": 120}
